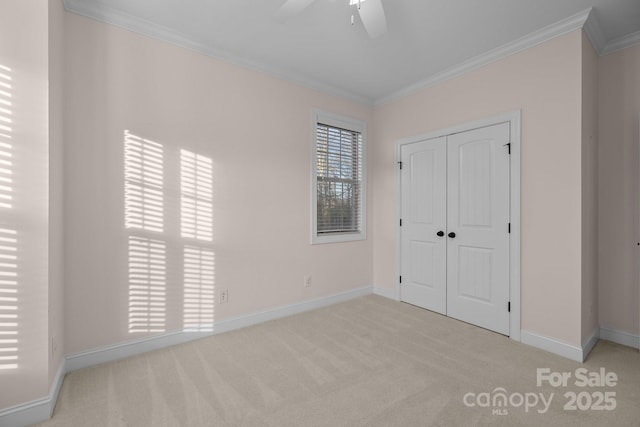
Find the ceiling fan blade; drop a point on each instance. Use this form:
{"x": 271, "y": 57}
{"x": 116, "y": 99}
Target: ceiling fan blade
{"x": 291, "y": 8}
{"x": 372, "y": 16}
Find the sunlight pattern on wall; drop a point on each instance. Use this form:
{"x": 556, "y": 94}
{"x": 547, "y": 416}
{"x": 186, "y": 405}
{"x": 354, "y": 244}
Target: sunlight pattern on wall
{"x": 8, "y": 236}
{"x": 196, "y": 196}
{"x": 147, "y": 285}
{"x": 8, "y": 299}
{"x": 199, "y": 297}
{"x": 196, "y": 225}
{"x": 143, "y": 191}
{"x": 144, "y": 219}
{"x": 6, "y": 148}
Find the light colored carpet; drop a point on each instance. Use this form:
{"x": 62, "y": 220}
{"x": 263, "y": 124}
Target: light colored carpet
{"x": 366, "y": 362}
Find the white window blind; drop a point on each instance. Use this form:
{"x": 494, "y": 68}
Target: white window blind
{"x": 196, "y": 208}
{"x": 147, "y": 285}
{"x": 199, "y": 297}
{"x": 143, "y": 169}
{"x": 339, "y": 180}
{"x": 9, "y": 291}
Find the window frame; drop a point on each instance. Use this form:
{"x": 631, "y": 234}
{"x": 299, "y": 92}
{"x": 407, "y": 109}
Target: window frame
{"x": 349, "y": 124}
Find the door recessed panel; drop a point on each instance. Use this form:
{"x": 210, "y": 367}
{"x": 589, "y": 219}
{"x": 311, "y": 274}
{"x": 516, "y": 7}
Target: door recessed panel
{"x": 475, "y": 273}
{"x": 476, "y": 183}
{"x": 478, "y": 214}
{"x": 423, "y": 180}
{"x": 422, "y": 186}
{"x": 422, "y": 258}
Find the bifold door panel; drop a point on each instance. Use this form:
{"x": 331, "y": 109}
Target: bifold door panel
{"x": 455, "y": 225}
{"x": 424, "y": 207}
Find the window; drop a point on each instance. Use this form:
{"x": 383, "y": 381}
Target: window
{"x": 339, "y": 189}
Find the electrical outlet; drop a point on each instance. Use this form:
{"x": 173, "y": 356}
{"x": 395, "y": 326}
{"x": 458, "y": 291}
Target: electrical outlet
{"x": 223, "y": 296}
{"x": 307, "y": 281}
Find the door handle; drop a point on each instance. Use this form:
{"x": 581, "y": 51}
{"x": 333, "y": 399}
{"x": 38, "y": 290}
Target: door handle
{"x": 440, "y": 233}
{"x": 452, "y": 235}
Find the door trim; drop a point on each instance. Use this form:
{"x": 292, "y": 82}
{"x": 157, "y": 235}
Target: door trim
{"x": 514, "y": 118}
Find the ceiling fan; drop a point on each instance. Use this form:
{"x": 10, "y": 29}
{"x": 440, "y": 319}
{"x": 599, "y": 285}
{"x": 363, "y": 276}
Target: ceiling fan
{"x": 370, "y": 11}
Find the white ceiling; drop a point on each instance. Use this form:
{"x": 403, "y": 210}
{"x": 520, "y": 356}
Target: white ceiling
{"x": 319, "y": 47}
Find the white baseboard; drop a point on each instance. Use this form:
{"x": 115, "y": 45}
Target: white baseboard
{"x": 578, "y": 354}
{"x": 35, "y": 411}
{"x": 27, "y": 414}
{"x": 132, "y": 348}
{"x": 289, "y": 310}
{"x": 552, "y": 345}
{"x": 40, "y": 410}
{"x": 110, "y": 353}
{"x": 385, "y": 292}
{"x": 590, "y": 342}
{"x": 620, "y": 337}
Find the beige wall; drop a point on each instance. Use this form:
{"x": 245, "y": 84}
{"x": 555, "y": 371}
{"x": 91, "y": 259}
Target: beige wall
{"x": 589, "y": 189}
{"x": 24, "y": 49}
{"x": 56, "y": 232}
{"x": 619, "y": 102}
{"x": 545, "y": 83}
{"x": 257, "y": 130}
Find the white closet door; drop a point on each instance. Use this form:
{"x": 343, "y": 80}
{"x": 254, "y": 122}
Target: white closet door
{"x": 478, "y": 219}
{"x": 424, "y": 204}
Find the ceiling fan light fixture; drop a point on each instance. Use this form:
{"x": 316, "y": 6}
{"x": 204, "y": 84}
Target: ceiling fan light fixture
{"x": 371, "y": 14}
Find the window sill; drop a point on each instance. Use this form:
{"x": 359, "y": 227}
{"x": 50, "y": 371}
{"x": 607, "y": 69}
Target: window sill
{"x": 337, "y": 238}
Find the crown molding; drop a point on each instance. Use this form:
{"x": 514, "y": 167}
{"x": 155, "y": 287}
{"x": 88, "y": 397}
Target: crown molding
{"x": 593, "y": 29}
{"x": 535, "y": 38}
{"x": 586, "y": 20}
{"x": 603, "y": 46}
{"x": 622, "y": 43}
{"x": 117, "y": 18}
